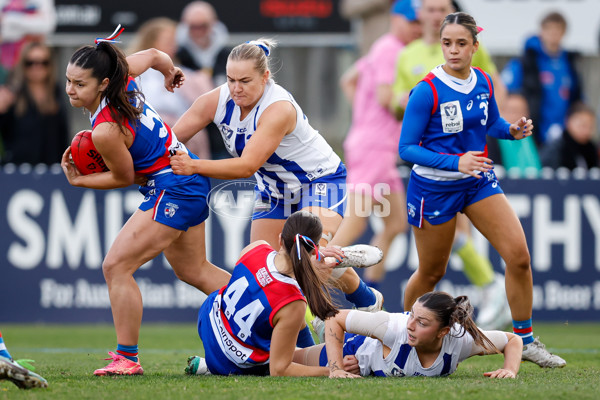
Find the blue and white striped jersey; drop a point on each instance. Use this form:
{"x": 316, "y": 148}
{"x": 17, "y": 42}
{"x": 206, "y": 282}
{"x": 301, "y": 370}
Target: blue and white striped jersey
{"x": 302, "y": 156}
{"x": 403, "y": 359}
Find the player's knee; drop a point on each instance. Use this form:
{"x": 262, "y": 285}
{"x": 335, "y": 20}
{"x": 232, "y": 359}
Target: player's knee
{"x": 432, "y": 277}
{"x": 110, "y": 269}
{"x": 519, "y": 261}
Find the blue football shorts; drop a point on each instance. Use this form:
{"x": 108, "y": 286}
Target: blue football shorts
{"x": 439, "y": 201}
{"x": 326, "y": 192}
{"x": 178, "y": 201}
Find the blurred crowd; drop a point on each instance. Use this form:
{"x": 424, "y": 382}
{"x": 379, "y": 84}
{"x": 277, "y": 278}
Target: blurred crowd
{"x": 542, "y": 82}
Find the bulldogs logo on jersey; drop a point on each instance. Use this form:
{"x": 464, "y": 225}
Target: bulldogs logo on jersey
{"x": 452, "y": 118}
{"x": 412, "y": 210}
{"x": 170, "y": 210}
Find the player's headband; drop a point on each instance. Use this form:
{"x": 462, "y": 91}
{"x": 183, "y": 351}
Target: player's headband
{"x": 309, "y": 242}
{"x": 112, "y": 38}
{"x": 261, "y": 45}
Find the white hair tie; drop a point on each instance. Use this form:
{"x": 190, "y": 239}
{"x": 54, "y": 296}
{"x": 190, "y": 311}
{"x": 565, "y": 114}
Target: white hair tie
{"x": 261, "y": 45}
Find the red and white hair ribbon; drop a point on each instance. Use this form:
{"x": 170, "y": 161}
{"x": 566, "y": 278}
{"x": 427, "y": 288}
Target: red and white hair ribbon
{"x": 112, "y": 37}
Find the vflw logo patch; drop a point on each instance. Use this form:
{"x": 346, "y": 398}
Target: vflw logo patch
{"x": 452, "y": 118}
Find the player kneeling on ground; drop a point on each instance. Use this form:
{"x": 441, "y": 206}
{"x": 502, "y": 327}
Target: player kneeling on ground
{"x": 251, "y": 325}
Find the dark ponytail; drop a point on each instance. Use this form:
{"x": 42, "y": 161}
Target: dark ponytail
{"x": 108, "y": 61}
{"x": 303, "y": 223}
{"x": 457, "y": 310}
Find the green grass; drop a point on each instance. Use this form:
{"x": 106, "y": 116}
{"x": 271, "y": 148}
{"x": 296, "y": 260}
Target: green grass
{"x": 66, "y": 356}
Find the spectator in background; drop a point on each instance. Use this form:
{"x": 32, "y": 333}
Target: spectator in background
{"x": 22, "y": 22}
{"x": 370, "y": 148}
{"x": 159, "y": 33}
{"x": 414, "y": 62}
{"x": 422, "y": 55}
{"x": 372, "y": 17}
{"x": 550, "y": 81}
{"x": 520, "y": 154}
{"x": 202, "y": 40}
{"x": 33, "y": 118}
{"x": 575, "y": 148}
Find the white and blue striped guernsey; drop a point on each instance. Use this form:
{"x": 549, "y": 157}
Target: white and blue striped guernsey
{"x": 302, "y": 156}
{"x": 403, "y": 359}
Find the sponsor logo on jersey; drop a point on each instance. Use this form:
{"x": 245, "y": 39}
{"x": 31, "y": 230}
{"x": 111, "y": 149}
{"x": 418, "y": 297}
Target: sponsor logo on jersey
{"x": 149, "y": 195}
{"x": 318, "y": 172}
{"x": 491, "y": 177}
{"x": 263, "y": 277}
{"x": 469, "y": 105}
{"x": 226, "y": 132}
{"x": 452, "y": 118}
{"x": 230, "y": 346}
{"x": 321, "y": 189}
{"x": 176, "y": 146}
{"x": 170, "y": 209}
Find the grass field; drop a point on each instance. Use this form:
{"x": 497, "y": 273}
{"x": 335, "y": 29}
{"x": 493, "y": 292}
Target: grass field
{"x": 66, "y": 356}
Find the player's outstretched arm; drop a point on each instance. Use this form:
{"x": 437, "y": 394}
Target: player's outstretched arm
{"x": 512, "y": 358}
{"x": 510, "y": 345}
{"x": 143, "y": 60}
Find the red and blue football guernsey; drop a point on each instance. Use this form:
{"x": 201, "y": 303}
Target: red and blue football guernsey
{"x": 445, "y": 118}
{"x": 152, "y": 137}
{"x": 178, "y": 201}
{"x": 236, "y": 322}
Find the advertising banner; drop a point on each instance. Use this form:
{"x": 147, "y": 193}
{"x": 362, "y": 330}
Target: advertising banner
{"x": 53, "y": 238}
{"x": 265, "y": 16}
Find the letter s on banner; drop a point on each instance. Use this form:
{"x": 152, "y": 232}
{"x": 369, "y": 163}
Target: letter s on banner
{"x": 21, "y": 205}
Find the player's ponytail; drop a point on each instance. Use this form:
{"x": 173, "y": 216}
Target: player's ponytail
{"x": 449, "y": 310}
{"x": 105, "y": 60}
{"x": 301, "y": 232}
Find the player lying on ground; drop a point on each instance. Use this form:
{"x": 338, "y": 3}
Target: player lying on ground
{"x": 431, "y": 340}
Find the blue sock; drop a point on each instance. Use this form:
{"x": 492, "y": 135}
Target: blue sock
{"x": 524, "y": 329}
{"x": 129, "y": 352}
{"x": 305, "y": 338}
{"x": 373, "y": 284}
{"x": 361, "y": 297}
{"x": 3, "y": 350}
